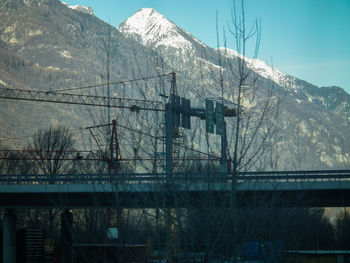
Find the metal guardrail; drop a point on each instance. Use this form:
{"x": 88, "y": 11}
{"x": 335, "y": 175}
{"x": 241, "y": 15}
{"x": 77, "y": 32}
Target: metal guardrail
{"x": 278, "y": 176}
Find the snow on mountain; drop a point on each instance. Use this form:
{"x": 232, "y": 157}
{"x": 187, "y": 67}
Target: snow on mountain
{"x": 313, "y": 121}
{"x": 183, "y": 52}
{"x": 269, "y": 72}
{"x": 264, "y": 70}
{"x": 152, "y": 28}
{"x": 81, "y": 8}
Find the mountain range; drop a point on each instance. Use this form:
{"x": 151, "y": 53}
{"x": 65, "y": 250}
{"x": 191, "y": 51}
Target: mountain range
{"x": 48, "y": 45}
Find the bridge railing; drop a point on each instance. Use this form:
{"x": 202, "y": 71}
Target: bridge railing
{"x": 307, "y": 176}
{"x": 268, "y": 176}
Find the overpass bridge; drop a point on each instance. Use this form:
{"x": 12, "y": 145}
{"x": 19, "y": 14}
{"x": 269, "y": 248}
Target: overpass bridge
{"x": 322, "y": 188}
{"x": 288, "y": 189}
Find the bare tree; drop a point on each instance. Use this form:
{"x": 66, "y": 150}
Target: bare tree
{"x": 256, "y": 104}
{"x": 13, "y": 163}
{"x": 50, "y": 149}
{"x": 251, "y": 133}
{"x": 342, "y": 229}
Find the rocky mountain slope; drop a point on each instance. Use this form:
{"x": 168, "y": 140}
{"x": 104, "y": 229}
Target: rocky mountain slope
{"x": 46, "y": 45}
{"x": 313, "y": 120}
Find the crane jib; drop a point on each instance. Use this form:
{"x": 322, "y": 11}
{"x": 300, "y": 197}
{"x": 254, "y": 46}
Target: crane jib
{"x": 89, "y": 100}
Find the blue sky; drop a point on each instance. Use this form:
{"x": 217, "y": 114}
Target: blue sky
{"x": 309, "y": 39}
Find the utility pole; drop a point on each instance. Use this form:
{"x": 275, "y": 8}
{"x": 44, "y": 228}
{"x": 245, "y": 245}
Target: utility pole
{"x": 173, "y": 88}
{"x": 168, "y": 142}
{"x": 223, "y": 160}
{"x": 169, "y": 120}
{"x": 108, "y": 81}
{"x": 114, "y": 169}
{"x": 114, "y": 149}
{"x": 178, "y": 112}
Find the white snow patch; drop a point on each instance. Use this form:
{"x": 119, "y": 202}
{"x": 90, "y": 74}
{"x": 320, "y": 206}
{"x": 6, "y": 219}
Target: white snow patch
{"x": 248, "y": 103}
{"x": 313, "y": 140}
{"x": 81, "y": 8}
{"x": 36, "y": 65}
{"x": 65, "y": 54}
{"x": 10, "y": 28}
{"x": 326, "y": 159}
{"x": 3, "y": 83}
{"x": 13, "y": 40}
{"x": 337, "y": 149}
{"x": 230, "y": 53}
{"x": 263, "y": 69}
{"x": 304, "y": 128}
{"x": 33, "y": 33}
{"x": 208, "y": 64}
{"x": 257, "y": 65}
{"x": 54, "y": 68}
{"x": 342, "y": 158}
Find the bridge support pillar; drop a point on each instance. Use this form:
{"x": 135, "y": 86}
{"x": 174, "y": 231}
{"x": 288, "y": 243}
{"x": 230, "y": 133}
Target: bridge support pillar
{"x": 66, "y": 236}
{"x": 9, "y": 238}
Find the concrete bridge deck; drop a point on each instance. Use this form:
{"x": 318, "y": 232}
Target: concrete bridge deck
{"x": 289, "y": 189}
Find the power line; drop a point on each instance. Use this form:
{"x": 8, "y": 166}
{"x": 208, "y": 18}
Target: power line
{"x": 193, "y": 90}
{"x": 47, "y": 155}
{"x": 15, "y": 138}
{"x": 110, "y": 83}
{"x": 23, "y": 138}
{"x": 155, "y": 137}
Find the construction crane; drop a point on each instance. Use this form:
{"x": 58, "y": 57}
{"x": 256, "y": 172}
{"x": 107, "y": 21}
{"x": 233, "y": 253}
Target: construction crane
{"x": 41, "y": 155}
{"x": 134, "y": 105}
{"x": 76, "y": 155}
{"x": 114, "y": 157}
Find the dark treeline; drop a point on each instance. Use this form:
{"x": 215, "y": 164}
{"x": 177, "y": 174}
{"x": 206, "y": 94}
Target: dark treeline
{"x": 208, "y": 228}
{"x": 297, "y": 229}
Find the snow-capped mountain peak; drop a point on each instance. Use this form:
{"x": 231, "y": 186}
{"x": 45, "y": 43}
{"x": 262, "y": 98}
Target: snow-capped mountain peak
{"x": 80, "y": 8}
{"x": 152, "y": 28}
{"x": 147, "y": 21}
